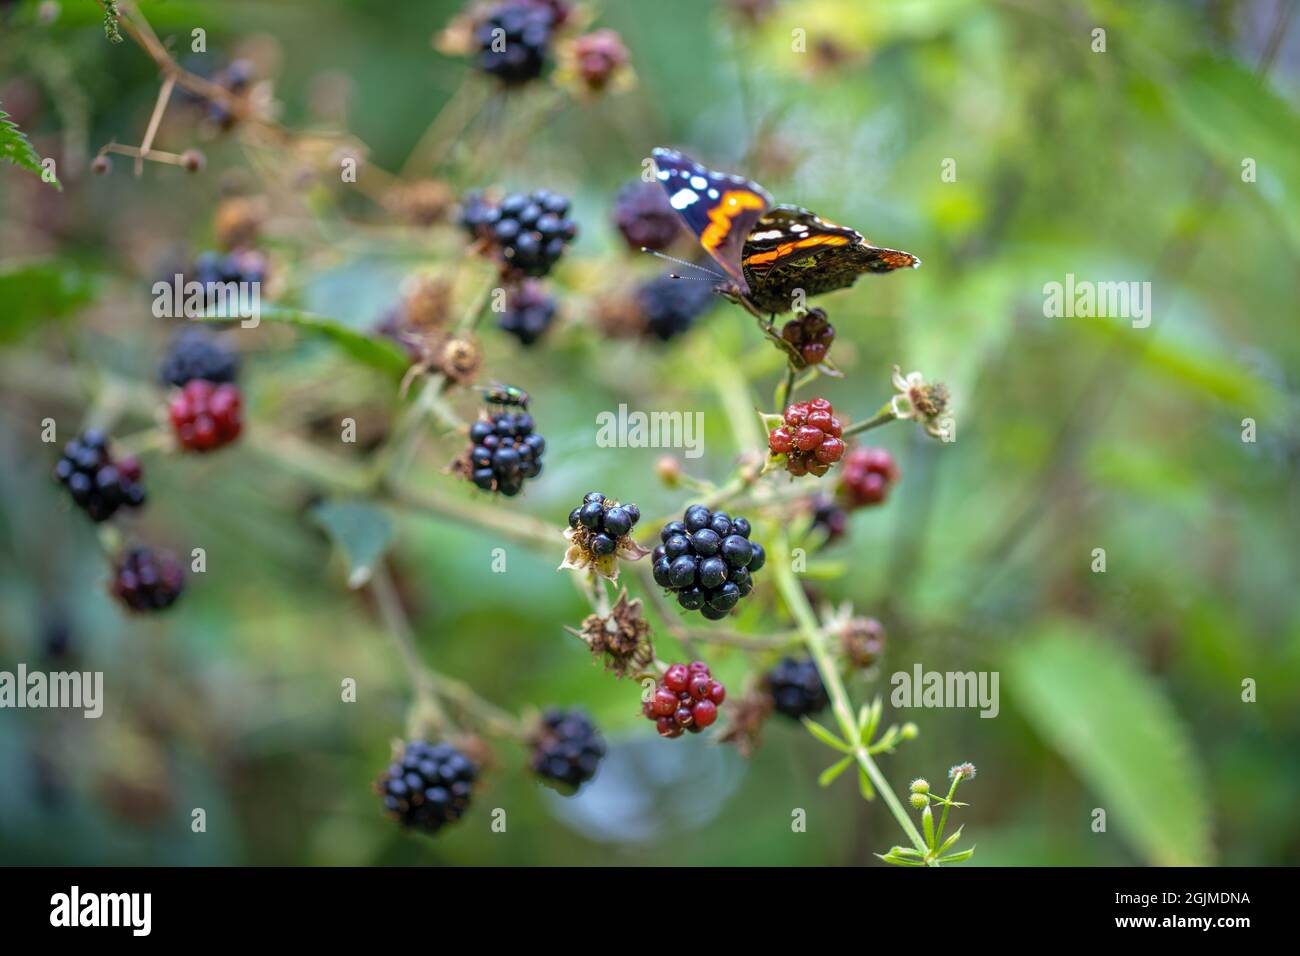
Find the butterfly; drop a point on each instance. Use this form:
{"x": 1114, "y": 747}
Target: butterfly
{"x": 768, "y": 252}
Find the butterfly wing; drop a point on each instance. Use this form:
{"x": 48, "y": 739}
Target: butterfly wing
{"x": 720, "y": 209}
{"x": 793, "y": 249}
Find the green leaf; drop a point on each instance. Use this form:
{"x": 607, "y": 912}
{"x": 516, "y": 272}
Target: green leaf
{"x": 864, "y": 784}
{"x": 957, "y": 857}
{"x": 362, "y": 531}
{"x": 378, "y": 353}
{"x": 18, "y": 150}
{"x": 927, "y": 825}
{"x": 1121, "y": 735}
{"x": 36, "y": 292}
{"x": 1234, "y": 117}
{"x": 947, "y": 844}
{"x": 903, "y": 856}
{"x": 826, "y": 737}
{"x": 832, "y": 773}
{"x": 872, "y": 720}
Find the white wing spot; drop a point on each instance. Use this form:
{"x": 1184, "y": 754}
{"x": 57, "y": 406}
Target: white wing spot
{"x": 683, "y": 198}
{"x": 663, "y": 174}
{"x": 699, "y": 182}
{"x": 713, "y": 194}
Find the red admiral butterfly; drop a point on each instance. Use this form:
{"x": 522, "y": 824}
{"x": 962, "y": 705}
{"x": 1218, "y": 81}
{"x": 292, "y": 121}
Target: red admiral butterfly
{"x": 767, "y": 251}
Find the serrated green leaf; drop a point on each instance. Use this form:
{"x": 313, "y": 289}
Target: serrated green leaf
{"x": 378, "y": 353}
{"x": 832, "y": 773}
{"x": 826, "y": 737}
{"x": 362, "y": 532}
{"x": 864, "y": 784}
{"x": 1121, "y": 735}
{"x": 17, "y": 149}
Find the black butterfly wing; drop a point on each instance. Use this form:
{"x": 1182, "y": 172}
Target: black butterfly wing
{"x": 720, "y": 209}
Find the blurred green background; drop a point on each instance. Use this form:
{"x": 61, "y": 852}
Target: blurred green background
{"x": 1120, "y": 690}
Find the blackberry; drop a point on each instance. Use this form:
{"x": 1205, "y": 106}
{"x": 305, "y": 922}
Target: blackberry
{"x": 671, "y": 306}
{"x": 205, "y": 415}
{"x": 513, "y": 40}
{"x": 829, "y": 517}
{"x": 866, "y": 477}
{"x": 235, "y": 78}
{"x": 685, "y": 698}
{"x": 505, "y": 451}
{"x": 796, "y": 688}
{"x": 810, "y": 334}
{"x": 566, "y": 749}
{"x": 147, "y": 580}
{"x": 242, "y": 265}
{"x": 197, "y": 353}
{"x": 708, "y": 560}
{"x": 529, "y": 231}
{"x": 644, "y": 217}
{"x": 427, "y": 786}
{"x": 809, "y": 438}
{"x": 529, "y": 311}
{"x": 98, "y": 484}
{"x": 600, "y": 529}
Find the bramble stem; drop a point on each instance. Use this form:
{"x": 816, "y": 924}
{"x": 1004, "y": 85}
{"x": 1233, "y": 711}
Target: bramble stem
{"x": 399, "y": 627}
{"x": 882, "y": 417}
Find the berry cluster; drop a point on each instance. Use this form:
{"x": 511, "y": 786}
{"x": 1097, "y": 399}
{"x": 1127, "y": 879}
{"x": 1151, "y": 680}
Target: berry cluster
{"x": 147, "y": 580}
{"x": 811, "y": 335}
{"x": 97, "y": 483}
{"x": 566, "y": 748}
{"x": 506, "y": 451}
{"x": 829, "y": 516}
{"x": 708, "y": 560}
{"x": 671, "y": 306}
{"x": 206, "y": 415}
{"x": 644, "y": 217}
{"x": 796, "y": 688}
{"x": 685, "y": 698}
{"x": 809, "y": 438}
{"x": 529, "y": 311}
{"x": 530, "y": 230}
{"x": 242, "y": 265}
{"x": 512, "y": 41}
{"x": 866, "y": 476}
{"x": 198, "y": 353}
{"x": 600, "y": 523}
{"x": 430, "y": 785}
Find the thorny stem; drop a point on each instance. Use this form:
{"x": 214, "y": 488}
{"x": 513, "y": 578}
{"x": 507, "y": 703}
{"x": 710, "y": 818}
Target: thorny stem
{"x": 814, "y": 640}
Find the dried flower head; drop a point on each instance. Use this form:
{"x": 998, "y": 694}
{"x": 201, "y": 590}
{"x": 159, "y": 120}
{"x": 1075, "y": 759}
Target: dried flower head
{"x": 746, "y": 719}
{"x": 621, "y": 637}
{"x": 459, "y": 358}
{"x": 862, "y": 641}
{"x": 922, "y": 402}
{"x": 595, "y": 63}
{"x": 963, "y": 771}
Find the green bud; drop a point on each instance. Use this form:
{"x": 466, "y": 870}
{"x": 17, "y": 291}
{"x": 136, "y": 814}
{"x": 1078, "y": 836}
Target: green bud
{"x": 910, "y": 731}
{"x": 920, "y": 785}
{"x": 920, "y": 801}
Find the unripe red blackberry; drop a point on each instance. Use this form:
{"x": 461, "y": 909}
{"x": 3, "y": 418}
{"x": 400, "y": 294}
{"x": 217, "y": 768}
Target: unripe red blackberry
{"x": 529, "y": 312}
{"x": 810, "y": 334}
{"x": 428, "y": 786}
{"x": 685, "y": 698}
{"x": 513, "y": 40}
{"x": 98, "y": 484}
{"x": 796, "y": 688}
{"x": 566, "y": 749}
{"x": 809, "y": 438}
{"x": 147, "y": 580}
{"x": 505, "y": 451}
{"x": 866, "y": 477}
{"x": 597, "y": 60}
{"x": 205, "y": 415}
{"x": 644, "y": 217}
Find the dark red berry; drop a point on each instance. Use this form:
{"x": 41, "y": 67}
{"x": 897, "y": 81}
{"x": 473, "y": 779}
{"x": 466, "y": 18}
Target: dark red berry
{"x": 866, "y": 476}
{"x": 686, "y": 698}
{"x": 147, "y": 580}
{"x": 809, "y": 438}
{"x": 811, "y": 335}
{"x": 645, "y": 218}
{"x": 205, "y": 416}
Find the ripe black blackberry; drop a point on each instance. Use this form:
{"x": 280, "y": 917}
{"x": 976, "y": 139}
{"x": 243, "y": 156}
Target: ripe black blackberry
{"x": 427, "y": 786}
{"x": 566, "y": 749}
{"x": 529, "y": 311}
{"x": 644, "y": 216}
{"x": 505, "y": 452}
{"x": 796, "y": 687}
{"x": 528, "y": 230}
{"x": 147, "y": 580}
{"x": 512, "y": 41}
{"x": 98, "y": 485}
{"x": 707, "y": 560}
{"x": 600, "y": 525}
{"x": 197, "y": 353}
{"x": 671, "y": 306}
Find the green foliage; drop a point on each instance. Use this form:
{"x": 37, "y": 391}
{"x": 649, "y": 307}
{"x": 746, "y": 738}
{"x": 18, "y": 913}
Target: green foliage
{"x": 361, "y": 530}
{"x": 17, "y": 149}
{"x": 1122, "y": 737}
{"x": 32, "y": 293}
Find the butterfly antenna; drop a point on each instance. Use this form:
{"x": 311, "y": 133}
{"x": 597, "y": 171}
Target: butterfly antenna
{"x": 714, "y": 276}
